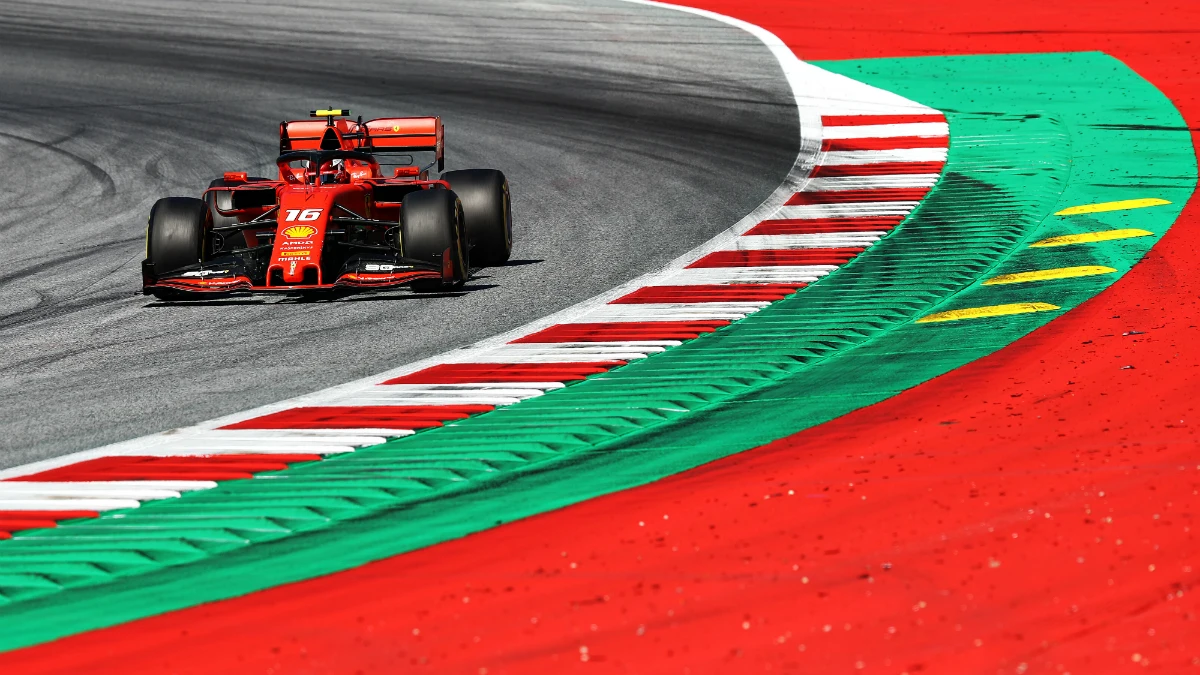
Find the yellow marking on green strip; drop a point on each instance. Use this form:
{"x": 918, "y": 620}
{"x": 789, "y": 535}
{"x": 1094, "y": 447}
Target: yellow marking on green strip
{"x": 1091, "y": 237}
{"x": 989, "y": 311}
{"x": 1047, "y": 275}
{"x": 1112, "y": 206}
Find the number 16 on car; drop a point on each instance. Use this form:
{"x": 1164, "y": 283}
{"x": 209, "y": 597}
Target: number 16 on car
{"x": 302, "y": 215}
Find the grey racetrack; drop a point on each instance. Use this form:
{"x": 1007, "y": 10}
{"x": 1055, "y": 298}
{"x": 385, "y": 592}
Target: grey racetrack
{"x": 629, "y": 135}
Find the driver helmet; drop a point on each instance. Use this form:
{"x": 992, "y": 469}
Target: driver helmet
{"x": 334, "y": 172}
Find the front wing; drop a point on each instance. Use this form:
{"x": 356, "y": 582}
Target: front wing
{"x": 210, "y": 278}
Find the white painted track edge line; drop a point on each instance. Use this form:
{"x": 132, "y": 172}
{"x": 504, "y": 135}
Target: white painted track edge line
{"x": 923, "y": 129}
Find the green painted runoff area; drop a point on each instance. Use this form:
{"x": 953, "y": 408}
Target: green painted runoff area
{"x": 1030, "y": 135}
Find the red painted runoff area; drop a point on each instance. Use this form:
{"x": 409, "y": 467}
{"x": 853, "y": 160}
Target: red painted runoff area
{"x": 1032, "y": 512}
{"x": 1036, "y": 507}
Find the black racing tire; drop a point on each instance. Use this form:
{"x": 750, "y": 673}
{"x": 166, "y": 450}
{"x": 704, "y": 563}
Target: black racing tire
{"x": 176, "y": 232}
{"x": 487, "y": 207}
{"x": 431, "y": 225}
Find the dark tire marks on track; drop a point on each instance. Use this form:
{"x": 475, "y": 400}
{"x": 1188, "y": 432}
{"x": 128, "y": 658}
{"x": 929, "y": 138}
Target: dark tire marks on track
{"x": 107, "y": 187}
{"x": 629, "y": 134}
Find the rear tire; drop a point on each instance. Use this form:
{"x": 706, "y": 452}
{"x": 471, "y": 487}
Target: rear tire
{"x": 488, "y": 213}
{"x": 431, "y": 226}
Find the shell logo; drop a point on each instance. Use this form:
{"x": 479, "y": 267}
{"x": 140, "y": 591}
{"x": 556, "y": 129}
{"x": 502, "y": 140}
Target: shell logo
{"x": 299, "y": 231}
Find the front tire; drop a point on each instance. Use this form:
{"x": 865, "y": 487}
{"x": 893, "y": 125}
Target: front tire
{"x": 431, "y": 228}
{"x": 488, "y": 213}
{"x": 175, "y": 233}
{"x": 175, "y": 237}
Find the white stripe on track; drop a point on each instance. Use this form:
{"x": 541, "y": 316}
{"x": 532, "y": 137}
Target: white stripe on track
{"x": 373, "y": 397}
{"x": 213, "y": 443}
{"x": 683, "y": 305}
{"x": 567, "y": 352}
{"x": 844, "y": 157}
{"x": 348, "y": 438}
{"x": 86, "y": 490}
{"x": 695, "y": 311}
{"x": 484, "y": 385}
{"x": 457, "y": 387}
{"x": 228, "y": 442}
{"x": 769, "y": 242}
{"x": 847, "y": 210}
{"x": 38, "y": 504}
{"x": 323, "y": 436}
{"x": 99, "y": 487}
{"x": 551, "y": 356}
{"x": 839, "y": 183}
{"x": 502, "y": 389}
{"x": 632, "y": 345}
{"x": 751, "y": 275}
{"x": 496, "y": 395}
{"x": 929, "y": 129}
{"x": 639, "y": 314}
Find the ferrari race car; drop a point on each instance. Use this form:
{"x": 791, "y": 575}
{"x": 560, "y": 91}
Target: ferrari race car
{"x": 332, "y": 220}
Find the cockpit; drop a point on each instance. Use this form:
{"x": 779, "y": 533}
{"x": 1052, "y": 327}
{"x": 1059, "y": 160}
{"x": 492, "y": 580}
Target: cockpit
{"x": 326, "y": 167}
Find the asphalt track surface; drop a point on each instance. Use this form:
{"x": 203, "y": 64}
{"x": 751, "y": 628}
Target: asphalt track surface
{"x": 629, "y": 134}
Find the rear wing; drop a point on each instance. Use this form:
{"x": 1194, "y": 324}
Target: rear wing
{"x": 381, "y": 135}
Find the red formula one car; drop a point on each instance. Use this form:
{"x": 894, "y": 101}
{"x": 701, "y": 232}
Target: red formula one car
{"x": 332, "y": 220}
